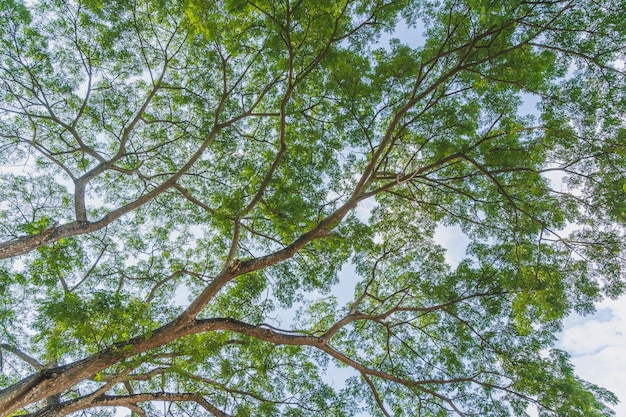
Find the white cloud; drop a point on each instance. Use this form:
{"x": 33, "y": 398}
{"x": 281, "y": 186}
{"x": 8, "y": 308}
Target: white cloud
{"x": 597, "y": 344}
{"x": 454, "y": 241}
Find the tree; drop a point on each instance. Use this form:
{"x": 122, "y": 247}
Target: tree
{"x": 224, "y": 151}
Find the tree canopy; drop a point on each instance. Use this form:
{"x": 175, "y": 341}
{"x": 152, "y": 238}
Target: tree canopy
{"x": 180, "y": 177}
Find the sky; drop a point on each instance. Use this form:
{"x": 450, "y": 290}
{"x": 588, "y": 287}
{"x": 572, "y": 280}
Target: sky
{"x": 596, "y": 343}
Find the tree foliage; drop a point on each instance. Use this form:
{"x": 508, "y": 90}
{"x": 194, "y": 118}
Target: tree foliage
{"x": 181, "y": 176}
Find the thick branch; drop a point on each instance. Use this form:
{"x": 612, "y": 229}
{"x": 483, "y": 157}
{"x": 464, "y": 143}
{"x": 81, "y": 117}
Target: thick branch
{"x": 129, "y": 401}
{"x": 52, "y": 381}
{"x": 23, "y": 356}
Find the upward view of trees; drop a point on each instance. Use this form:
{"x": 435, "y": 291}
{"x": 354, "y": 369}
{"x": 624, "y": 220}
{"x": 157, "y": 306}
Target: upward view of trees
{"x": 179, "y": 177}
